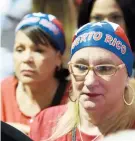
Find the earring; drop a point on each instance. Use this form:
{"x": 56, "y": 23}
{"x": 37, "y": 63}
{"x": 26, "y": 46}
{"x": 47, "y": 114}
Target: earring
{"x": 128, "y": 86}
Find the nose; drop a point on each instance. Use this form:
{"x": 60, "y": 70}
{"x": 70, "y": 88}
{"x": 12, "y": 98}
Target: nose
{"x": 107, "y": 19}
{"x": 91, "y": 79}
{"x": 28, "y": 56}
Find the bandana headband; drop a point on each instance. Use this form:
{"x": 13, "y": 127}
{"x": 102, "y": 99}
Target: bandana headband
{"x": 105, "y": 35}
{"x": 49, "y": 24}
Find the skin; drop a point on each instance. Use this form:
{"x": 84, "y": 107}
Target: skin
{"x": 110, "y": 89}
{"x": 34, "y": 67}
{"x": 109, "y": 11}
{"x": 34, "y": 63}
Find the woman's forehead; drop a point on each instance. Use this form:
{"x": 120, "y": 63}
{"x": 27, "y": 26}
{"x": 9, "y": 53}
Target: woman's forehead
{"x": 95, "y": 54}
{"x": 21, "y": 37}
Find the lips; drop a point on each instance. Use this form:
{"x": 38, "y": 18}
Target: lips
{"x": 27, "y": 72}
{"x": 93, "y": 94}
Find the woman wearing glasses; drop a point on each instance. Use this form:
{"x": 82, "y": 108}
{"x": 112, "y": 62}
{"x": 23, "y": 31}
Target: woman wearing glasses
{"x": 101, "y": 99}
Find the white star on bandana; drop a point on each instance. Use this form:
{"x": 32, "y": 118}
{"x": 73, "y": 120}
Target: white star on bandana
{"x": 98, "y": 24}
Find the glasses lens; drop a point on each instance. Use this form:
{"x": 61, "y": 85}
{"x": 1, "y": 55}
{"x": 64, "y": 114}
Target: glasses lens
{"x": 79, "y": 69}
{"x": 105, "y": 69}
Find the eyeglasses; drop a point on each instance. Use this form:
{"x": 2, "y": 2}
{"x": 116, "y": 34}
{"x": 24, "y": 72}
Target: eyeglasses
{"x": 80, "y": 70}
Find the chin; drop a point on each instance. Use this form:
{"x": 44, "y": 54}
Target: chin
{"x": 90, "y": 109}
{"x": 93, "y": 107}
{"x": 88, "y": 106}
{"x": 27, "y": 80}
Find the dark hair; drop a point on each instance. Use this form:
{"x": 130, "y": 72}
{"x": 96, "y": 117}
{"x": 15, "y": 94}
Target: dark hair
{"x": 38, "y": 36}
{"x": 127, "y": 7}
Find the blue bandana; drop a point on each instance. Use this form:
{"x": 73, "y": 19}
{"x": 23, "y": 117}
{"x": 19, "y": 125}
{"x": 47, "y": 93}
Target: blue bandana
{"x": 105, "y": 35}
{"x": 49, "y": 24}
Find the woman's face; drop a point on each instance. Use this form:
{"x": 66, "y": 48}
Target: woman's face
{"x": 97, "y": 92}
{"x": 107, "y": 10}
{"x": 34, "y": 62}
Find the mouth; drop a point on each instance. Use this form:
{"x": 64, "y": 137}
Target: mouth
{"x": 93, "y": 94}
{"x": 27, "y": 72}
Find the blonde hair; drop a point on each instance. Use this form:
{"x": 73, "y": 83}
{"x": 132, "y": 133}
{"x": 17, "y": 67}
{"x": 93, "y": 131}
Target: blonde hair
{"x": 71, "y": 118}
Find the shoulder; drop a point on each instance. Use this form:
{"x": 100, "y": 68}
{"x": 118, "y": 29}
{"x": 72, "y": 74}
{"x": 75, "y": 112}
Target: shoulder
{"x": 8, "y": 91}
{"x": 44, "y": 122}
{"x": 8, "y": 84}
{"x": 9, "y": 81}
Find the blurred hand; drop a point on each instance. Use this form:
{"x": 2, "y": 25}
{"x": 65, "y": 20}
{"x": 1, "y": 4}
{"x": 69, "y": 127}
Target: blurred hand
{"x": 22, "y": 127}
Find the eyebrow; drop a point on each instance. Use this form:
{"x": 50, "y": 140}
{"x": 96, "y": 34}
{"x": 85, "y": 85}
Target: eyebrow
{"x": 100, "y": 61}
{"x": 23, "y": 45}
{"x": 105, "y": 61}
{"x": 82, "y": 61}
{"x": 19, "y": 45}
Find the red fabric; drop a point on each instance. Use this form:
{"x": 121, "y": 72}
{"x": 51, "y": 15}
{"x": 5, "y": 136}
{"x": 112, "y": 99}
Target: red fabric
{"x": 133, "y": 127}
{"x": 9, "y": 109}
{"x": 41, "y": 128}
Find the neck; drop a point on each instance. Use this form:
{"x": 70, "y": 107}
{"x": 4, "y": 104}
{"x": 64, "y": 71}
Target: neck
{"x": 41, "y": 92}
{"x": 86, "y": 123}
{"x": 95, "y": 119}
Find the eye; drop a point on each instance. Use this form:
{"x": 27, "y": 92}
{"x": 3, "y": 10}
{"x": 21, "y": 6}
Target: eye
{"x": 39, "y": 50}
{"x": 96, "y": 18}
{"x": 19, "y": 49}
{"x": 81, "y": 67}
{"x": 105, "y": 69}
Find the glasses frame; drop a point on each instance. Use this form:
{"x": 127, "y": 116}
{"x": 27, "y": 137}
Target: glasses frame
{"x": 93, "y": 69}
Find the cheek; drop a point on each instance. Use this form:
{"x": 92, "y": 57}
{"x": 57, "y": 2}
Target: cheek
{"x": 45, "y": 59}
{"x": 17, "y": 62}
{"x": 45, "y": 65}
{"x": 40, "y": 60}
{"x": 116, "y": 86}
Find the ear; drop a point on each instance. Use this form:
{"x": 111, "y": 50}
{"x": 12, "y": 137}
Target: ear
{"x": 127, "y": 81}
{"x": 58, "y": 58}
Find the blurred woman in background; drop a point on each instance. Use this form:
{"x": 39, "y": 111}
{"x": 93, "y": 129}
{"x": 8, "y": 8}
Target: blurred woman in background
{"x": 40, "y": 79}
